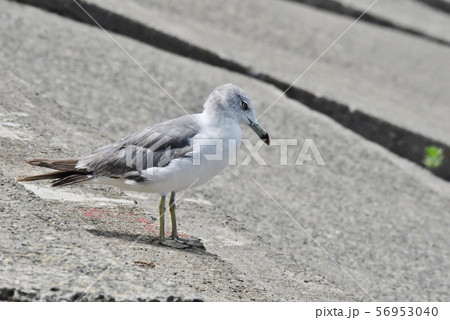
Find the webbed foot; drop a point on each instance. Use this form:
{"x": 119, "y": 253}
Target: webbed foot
{"x": 183, "y": 243}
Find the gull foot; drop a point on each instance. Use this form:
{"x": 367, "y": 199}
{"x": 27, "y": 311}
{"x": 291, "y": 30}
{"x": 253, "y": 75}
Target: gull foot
{"x": 183, "y": 243}
{"x": 192, "y": 242}
{"x": 174, "y": 244}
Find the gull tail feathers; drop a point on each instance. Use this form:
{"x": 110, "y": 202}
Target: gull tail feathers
{"x": 66, "y": 173}
{"x": 57, "y": 164}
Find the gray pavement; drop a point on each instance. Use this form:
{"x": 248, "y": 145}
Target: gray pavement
{"x": 69, "y": 89}
{"x": 56, "y": 244}
{"x": 409, "y": 73}
{"x": 411, "y": 14}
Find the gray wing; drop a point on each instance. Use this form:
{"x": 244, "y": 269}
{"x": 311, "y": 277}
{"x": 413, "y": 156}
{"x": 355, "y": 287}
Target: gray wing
{"x": 154, "y": 146}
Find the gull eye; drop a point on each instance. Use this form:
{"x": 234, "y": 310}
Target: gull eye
{"x": 244, "y": 105}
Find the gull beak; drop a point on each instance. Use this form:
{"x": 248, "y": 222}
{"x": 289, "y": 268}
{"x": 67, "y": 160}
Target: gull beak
{"x": 262, "y": 134}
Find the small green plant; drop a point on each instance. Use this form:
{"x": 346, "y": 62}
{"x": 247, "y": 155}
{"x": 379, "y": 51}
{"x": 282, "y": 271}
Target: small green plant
{"x": 434, "y": 156}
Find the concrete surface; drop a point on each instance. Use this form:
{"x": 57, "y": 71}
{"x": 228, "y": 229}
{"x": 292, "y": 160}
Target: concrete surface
{"x": 67, "y": 88}
{"x": 410, "y": 74}
{"x": 412, "y": 14}
{"x": 57, "y": 243}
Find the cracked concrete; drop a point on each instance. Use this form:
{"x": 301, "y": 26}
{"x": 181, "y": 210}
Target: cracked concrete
{"x": 268, "y": 48}
{"x": 443, "y": 5}
{"x": 409, "y": 16}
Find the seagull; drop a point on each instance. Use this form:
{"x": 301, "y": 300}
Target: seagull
{"x": 167, "y": 157}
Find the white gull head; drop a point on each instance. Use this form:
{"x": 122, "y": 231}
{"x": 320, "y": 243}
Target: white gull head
{"x": 231, "y": 102}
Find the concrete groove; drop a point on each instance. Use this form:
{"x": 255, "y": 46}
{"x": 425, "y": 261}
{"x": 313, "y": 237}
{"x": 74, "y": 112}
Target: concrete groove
{"x": 405, "y": 143}
{"x": 338, "y": 8}
{"x": 437, "y": 4}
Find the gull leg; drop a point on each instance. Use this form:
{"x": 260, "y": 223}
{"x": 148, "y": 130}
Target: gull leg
{"x": 162, "y": 211}
{"x": 162, "y": 237}
{"x": 172, "y": 207}
{"x": 175, "y": 241}
{"x": 191, "y": 242}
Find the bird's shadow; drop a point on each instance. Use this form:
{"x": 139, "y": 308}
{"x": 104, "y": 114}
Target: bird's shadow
{"x": 145, "y": 239}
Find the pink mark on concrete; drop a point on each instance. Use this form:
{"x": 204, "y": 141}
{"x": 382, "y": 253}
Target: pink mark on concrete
{"x": 94, "y": 213}
{"x": 151, "y": 229}
{"x": 130, "y": 213}
{"x": 143, "y": 220}
{"x": 180, "y": 234}
{"x": 183, "y": 235}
